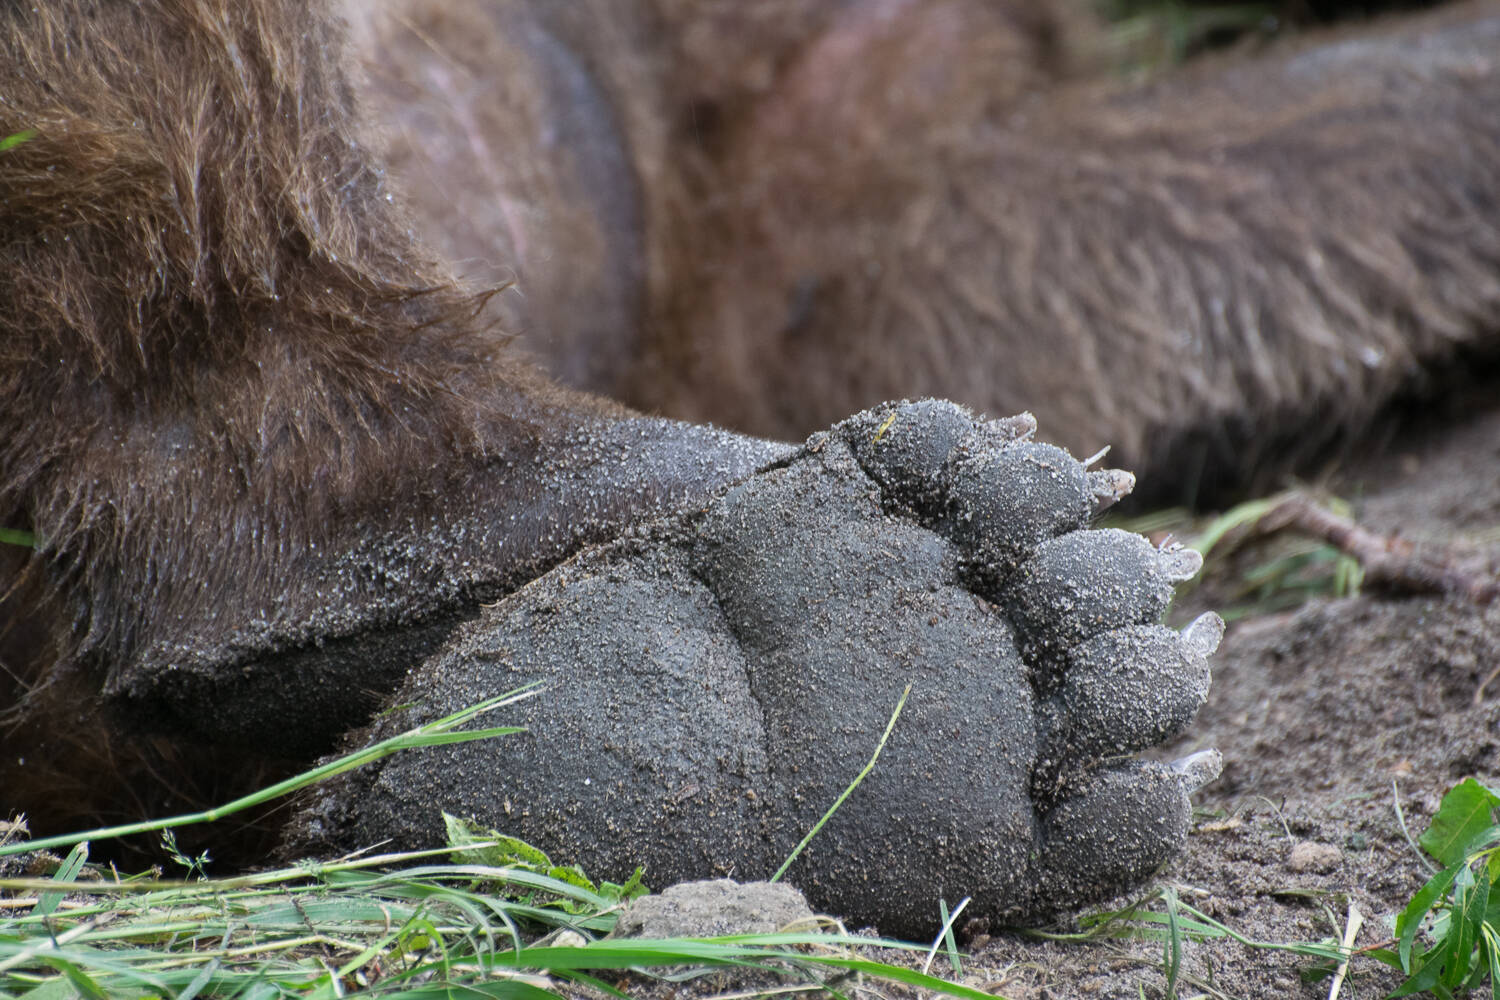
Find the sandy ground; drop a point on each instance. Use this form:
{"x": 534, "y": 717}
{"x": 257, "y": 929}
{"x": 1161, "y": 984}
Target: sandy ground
{"x": 1326, "y": 716}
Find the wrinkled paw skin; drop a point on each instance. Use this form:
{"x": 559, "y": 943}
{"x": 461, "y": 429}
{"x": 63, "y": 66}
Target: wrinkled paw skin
{"x": 713, "y": 684}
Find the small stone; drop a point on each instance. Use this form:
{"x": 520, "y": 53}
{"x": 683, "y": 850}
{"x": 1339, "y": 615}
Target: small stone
{"x": 563, "y": 937}
{"x": 715, "y": 908}
{"x": 1311, "y": 856}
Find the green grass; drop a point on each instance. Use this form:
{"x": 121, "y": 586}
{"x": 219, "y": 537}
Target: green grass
{"x": 438, "y": 733}
{"x": 16, "y": 138}
{"x": 848, "y": 790}
{"x": 12, "y": 536}
{"x": 387, "y": 925}
{"x": 1163, "y": 916}
{"x": 399, "y": 925}
{"x": 482, "y": 916}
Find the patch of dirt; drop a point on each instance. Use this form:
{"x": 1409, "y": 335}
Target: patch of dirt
{"x": 1326, "y": 716}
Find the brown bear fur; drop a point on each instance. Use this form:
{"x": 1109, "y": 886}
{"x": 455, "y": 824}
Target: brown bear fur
{"x": 251, "y": 419}
{"x": 1218, "y": 272}
{"x": 248, "y": 418}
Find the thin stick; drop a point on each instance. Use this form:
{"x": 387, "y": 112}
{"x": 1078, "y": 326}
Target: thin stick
{"x": 1388, "y": 561}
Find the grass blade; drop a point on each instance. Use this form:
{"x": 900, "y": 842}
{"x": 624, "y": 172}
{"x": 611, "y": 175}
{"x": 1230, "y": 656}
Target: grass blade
{"x": 802, "y": 845}
{"x": 435, "y": 733}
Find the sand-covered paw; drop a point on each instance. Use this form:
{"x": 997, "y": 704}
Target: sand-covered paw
{"x": 715, "y": 683}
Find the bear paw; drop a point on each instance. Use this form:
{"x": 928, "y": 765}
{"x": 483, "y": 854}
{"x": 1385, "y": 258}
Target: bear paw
{"x": 714, "y": 683}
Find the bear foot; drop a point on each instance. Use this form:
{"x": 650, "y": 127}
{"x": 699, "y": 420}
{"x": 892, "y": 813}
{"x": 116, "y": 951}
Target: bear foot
{"x": 713, "y": 683}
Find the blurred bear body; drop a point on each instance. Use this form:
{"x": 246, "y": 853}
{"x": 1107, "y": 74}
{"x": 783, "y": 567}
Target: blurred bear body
{"x": 273, "y": 448}
{"x": 786, "y": 212}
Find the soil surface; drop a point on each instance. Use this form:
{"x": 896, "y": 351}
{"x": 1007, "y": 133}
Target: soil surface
{"x": 1327, "y": 716}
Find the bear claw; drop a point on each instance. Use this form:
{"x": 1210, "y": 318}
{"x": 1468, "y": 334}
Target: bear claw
{"x": 1199, "y": 769}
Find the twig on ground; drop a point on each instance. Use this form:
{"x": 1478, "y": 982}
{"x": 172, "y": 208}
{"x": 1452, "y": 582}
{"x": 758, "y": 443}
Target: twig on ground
{"x": 1388, "y": 560}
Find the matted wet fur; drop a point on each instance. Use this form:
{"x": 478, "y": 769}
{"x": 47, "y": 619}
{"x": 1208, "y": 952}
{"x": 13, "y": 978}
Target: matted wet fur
{"x": 241, "y": 395}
